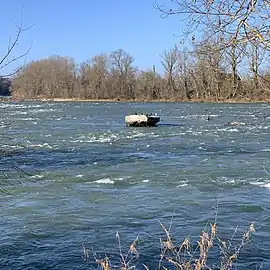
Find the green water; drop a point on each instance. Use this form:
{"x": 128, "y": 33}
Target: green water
{"x": 91, "y": 176}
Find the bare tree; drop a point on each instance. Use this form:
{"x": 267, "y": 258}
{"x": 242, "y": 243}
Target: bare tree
{"x": 256, "y": 56}
{"x": 170, "y": 62}
{"x": 150, "y": 85}
{"x": 184, "y": 78}
{"x": 100, "y": 66}
{"x": 254, "y": 65}
{"x": 54, "y": 77}
{"x": 10, "y": 56}
{"x": 257, "y": 59}
{"x": 28, "y": 82}
{"x": 209, "y": 59}
{"x": 242, "y": 20}
{"x": 124, "y": 73}
{"x": 7, "y": 58}
{"x": 234, "y": 59}
{"x": 84, "y": 80}
{"x": 94, "y": 75}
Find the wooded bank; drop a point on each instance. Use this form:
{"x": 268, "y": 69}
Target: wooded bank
{"x": 201, "y": 75}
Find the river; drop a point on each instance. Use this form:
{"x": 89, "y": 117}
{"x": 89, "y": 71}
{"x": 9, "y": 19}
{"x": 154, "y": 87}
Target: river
{"x": 84, "y": 176}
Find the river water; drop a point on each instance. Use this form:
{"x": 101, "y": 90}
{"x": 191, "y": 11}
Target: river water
{"x": 86, "y": 176}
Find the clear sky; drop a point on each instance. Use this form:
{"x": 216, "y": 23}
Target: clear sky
{"x": 84, "y": 28}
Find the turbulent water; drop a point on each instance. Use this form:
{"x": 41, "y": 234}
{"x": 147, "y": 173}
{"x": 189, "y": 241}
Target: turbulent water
{"x": 86, "y": 176}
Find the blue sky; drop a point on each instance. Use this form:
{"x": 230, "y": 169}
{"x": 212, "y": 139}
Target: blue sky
{"x": 84, "y": 28}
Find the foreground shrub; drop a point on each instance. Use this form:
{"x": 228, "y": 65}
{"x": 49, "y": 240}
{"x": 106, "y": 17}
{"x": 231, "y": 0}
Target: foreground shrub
{"x": 184, "y": 255}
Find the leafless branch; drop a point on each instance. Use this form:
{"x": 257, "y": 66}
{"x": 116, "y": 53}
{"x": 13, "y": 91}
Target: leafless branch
{"x": 242, "y": 21}
{"x": 6, "y": 60}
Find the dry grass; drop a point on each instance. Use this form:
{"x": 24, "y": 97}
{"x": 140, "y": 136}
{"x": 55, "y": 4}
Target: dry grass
{"x": 183, "y": 255}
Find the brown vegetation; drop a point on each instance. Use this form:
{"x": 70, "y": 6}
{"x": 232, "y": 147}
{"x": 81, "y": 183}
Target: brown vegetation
{"x": 201, "y": 74}
{"x": 231, "y": 40}
{"x": 183, "y": 255}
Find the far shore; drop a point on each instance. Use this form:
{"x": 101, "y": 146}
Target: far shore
{"x": 244, "y": 100}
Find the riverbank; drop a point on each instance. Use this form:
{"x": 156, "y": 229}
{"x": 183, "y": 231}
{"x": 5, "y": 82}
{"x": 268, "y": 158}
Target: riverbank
{"x": 243, "y": 100}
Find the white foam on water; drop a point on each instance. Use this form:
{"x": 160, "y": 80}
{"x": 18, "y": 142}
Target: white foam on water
{"x": 43, "y": 110}
{"x": 43, "y": 145}
{"x": 146, "y": 181}
{"x": 109, "y": 137}
{"x": 21, "y": 106}
{"x": 231, "y": 181}
{"x": 228, "y": 129}
{"x": 37, "y": 176}
{"x": 119, "y": 178}
{"x": 12, "y": 146}
{"x": 202, "y": 115}
{"x": 19, "y": 113}
{"x": 109, "y": 181}
{"x": 135, "y": 135}
{"x": 227, "y": 180}
{"x": 104, "y": 181}
{"x": 29, "y": 119}
{"x": 182, "y": 185}
{"x": 267, "y": 185}
{"x": 261, "y": 184}
{"x": 252, "y": 181}
{"x": 195, "y": 132}
{"x": 31, "y": 111}
{"x": 79, "y": 175}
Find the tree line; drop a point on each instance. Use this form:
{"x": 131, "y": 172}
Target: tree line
{"x": 205, "y": 73}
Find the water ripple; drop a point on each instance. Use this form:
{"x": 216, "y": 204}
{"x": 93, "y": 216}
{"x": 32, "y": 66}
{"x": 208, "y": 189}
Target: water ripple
{"x": 89, "y": 176}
